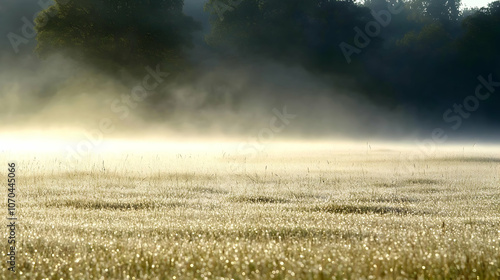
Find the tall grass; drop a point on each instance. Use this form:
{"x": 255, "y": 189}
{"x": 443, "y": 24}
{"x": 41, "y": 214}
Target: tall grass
{"x": 313, "y": 214}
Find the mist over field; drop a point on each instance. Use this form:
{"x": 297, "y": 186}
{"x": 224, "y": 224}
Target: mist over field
{"x": 225, "y": 88}
{"x": 250, "y": 139}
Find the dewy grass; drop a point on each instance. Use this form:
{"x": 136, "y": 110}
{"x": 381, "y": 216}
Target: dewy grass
{"x": 314, "y": 214}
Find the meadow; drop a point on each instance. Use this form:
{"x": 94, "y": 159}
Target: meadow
{"x": 293, "y": 211}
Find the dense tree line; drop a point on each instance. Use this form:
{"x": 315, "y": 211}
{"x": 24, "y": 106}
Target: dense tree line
{"x": 427, "y": 53}
{"x": 422, "y": 53}
{"x": 117, "y": 34}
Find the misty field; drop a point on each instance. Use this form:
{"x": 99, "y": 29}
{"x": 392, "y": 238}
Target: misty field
{"x": 289, "y": 212}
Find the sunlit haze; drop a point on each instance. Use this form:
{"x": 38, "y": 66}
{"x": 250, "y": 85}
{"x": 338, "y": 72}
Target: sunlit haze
{"x": 249, "y": 139}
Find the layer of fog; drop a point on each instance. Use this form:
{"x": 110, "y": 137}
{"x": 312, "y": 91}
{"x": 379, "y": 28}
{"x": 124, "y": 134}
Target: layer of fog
{"x": 226, "y": 100}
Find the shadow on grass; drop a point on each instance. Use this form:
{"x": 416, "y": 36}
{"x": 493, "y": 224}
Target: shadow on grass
{"x": 422, "y": 181}
{"x": 258, "y": 199}
{"x": 426, "y": 190}
{"x": 471, "y": 159}
{"x": 266, "y": 234}
{"x": 105, "y": 205}
{"x": 188, "y": 177}
{"x": 284, "y": 233}
{"x": 362, "y": 209}
{"x": 411, "y": 181}
{"x": 390, "y": 199}
{"x": 207, "y": 190}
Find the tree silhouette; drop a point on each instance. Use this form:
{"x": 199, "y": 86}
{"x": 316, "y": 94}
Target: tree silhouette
{"x": 114, "y": 34}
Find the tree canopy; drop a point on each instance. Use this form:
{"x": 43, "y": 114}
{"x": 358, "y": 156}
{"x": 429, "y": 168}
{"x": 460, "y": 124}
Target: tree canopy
{"x": 420, "y": 53}
{"x": 428, "y": 53}
{"x": 117, "y": 34}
